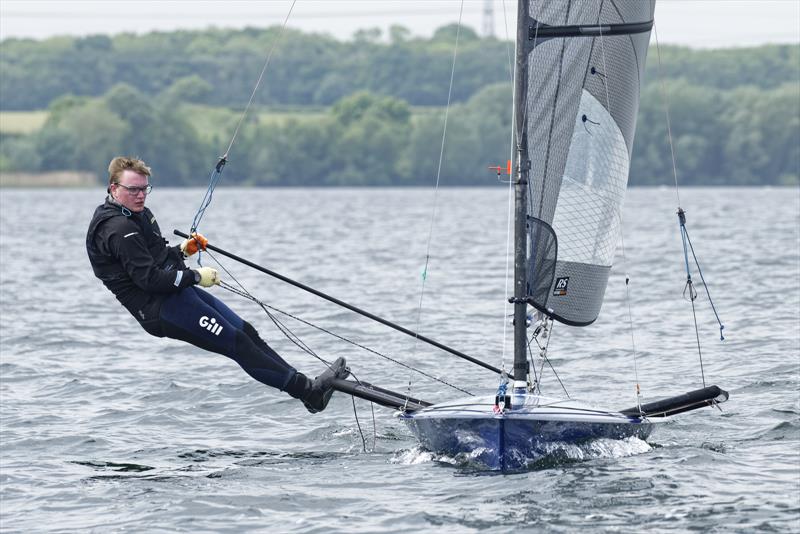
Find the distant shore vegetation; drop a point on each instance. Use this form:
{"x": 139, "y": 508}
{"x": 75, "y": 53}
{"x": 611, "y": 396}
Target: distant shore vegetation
{"x": 368, "y": 111}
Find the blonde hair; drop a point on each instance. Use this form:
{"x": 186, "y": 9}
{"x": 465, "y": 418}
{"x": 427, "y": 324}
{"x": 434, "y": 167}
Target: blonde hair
{"x": 123, "y": 163}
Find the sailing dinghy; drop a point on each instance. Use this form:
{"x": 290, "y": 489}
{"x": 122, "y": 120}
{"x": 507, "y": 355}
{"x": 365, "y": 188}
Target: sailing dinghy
{"x": 577, "y": 78}
{"x": 578, "y": 73}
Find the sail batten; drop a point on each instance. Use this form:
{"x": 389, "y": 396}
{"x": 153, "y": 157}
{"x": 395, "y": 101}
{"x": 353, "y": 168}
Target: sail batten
{"x": 585, "y": 64}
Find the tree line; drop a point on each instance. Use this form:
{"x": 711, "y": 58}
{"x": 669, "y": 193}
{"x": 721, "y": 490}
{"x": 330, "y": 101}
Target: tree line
{"x": 315, "y": 69}
{"x": 735, "y": 114}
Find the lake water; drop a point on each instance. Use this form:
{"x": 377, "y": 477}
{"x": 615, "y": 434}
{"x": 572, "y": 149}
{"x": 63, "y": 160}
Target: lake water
{"x": 105, "y": 428}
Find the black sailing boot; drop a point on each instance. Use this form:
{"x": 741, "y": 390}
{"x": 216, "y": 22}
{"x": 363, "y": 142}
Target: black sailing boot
{"x": 316, "y": 394}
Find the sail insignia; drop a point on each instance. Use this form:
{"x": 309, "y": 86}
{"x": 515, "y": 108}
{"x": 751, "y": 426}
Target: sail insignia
{"x": 585, "y": 65}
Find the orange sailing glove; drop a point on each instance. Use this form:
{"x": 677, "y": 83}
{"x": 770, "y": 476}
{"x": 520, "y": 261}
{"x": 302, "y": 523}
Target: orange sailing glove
{"x": 193, "y": 244}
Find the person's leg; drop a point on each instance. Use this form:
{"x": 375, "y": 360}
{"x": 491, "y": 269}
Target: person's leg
{"x": 199, "y": 318}
{"x": 187, "y": 316}
{"x": 240, "y": 323}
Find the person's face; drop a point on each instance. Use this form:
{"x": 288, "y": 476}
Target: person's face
{"x": 131, "y": 190}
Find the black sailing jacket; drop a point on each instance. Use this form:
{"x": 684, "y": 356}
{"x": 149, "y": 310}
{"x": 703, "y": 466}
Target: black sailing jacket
{"x": 134, "y": 261}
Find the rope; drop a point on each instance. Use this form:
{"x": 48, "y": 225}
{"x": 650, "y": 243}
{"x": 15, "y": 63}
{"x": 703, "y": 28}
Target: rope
{"x": 213, "y": 180}
{"x": 520, "y": 127}
{"x": 510, "y": 210}
{"x": 621, "y": 232}
{"x": 216, "y": 174}
{"x": 687, "y": 244}
{"x": 533, "y": 364}
{"x": 242, "y": 291}
{"x": 247, "y": 295}
{"x": 666, "y": 112}
{"x": 358, "y": 422}
{"x": 436, "y": 188}
{"x": 705, "y": 285}
{"x": 233, "y": 289}
{"x": 630, "y": 319}
{"x": 543, "y": 354}
{"x": 260, "y": 77}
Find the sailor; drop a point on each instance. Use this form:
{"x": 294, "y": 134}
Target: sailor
{"x": 151, "y": 280}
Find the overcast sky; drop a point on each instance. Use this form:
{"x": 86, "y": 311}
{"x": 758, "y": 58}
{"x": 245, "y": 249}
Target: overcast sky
{"x": 698, "y": 23}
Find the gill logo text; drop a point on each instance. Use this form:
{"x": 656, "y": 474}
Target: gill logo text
{"x": 211, "y": 325}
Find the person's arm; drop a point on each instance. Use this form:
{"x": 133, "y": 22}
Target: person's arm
{"x": 126, "y": 243}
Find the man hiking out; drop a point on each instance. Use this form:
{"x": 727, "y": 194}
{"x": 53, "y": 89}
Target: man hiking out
{"x": 151, "y": 280}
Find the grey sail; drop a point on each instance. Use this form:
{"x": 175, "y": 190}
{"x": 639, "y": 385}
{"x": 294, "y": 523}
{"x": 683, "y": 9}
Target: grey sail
{"x": 585, "y": 66}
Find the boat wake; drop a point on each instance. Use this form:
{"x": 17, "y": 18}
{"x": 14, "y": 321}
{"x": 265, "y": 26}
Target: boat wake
{"x": 555, "y": 454}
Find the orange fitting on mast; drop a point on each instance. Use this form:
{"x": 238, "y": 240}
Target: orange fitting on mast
{"x": 499, "y": 169}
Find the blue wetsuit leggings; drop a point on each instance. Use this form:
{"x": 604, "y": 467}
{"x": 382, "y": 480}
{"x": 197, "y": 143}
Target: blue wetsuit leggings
{"x": 199, "y": 318}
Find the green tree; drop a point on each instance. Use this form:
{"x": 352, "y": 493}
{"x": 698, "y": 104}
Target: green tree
{"x": 192, "y": 89}
{"x": 478, "y": 136}
{"x": 159, "y": 134}
{"x": 368, "y": 139}
{"x": 763, "y": 136}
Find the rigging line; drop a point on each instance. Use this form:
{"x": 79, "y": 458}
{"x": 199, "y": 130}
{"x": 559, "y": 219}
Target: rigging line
{"x": 286, "y": 331}
{"x": 436, "y": 187}
{"x": 342, "y": 338}
{"x": 216, "y": 174}
{"x": 344, "y": 304}
{"x": 605, "y": 81}
{"x": 692, "y": 296}
{"x": 603, "y": 54}
{"x": 291, "y": 336}
{"x": 520, "y": 128}
{"x": 551, "y": 122}
{"x": 533, "y": 365}
{"x": 665, "y": 99}
{"x": 509, "y": 225}
{"x": 213, "y": 180}
{"x": 510, "y": 212}
{"x": 296, "y": 340}
{"x": 374, "y": 426}
{"x": 630, "y": 316}
{"x": 254, "y": 299}
{"x": 705, "y": 285}
{"x": 358, "y": 424}
{"x": 508, "y": 48}
{"x": 260, "y": 77}
{"x": 547, "y": 360}
{"x": 682, "y": 215}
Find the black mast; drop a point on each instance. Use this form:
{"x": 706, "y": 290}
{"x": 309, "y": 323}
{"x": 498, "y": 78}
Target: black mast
{"x": 522, "y": 167}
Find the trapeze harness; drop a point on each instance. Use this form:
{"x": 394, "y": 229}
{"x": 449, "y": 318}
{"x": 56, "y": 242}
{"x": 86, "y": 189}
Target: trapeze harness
{"x": 151, "y": 280}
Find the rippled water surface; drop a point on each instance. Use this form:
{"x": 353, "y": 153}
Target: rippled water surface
{"x": 105, "y": 428}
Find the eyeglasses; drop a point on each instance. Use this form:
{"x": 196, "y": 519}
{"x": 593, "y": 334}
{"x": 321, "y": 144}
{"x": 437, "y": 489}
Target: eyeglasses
{"x": 136, "y": 190}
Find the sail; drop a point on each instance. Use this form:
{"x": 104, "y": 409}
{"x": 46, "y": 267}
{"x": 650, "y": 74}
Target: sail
{"x": 585, "y": 62}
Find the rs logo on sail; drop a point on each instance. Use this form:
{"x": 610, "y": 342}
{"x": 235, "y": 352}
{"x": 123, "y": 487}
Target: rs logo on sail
{"x": 560, "y": 289}
{"x": 210, "y": 325}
